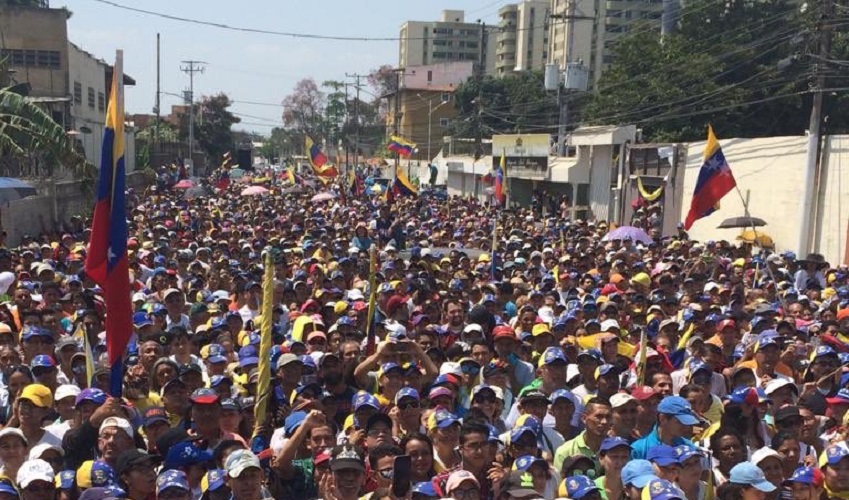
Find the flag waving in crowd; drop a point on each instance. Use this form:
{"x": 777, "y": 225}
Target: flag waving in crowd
{"x": 715, "y": 181}
{"x": 106, "y": 263}
{"x": 401, "y": 146}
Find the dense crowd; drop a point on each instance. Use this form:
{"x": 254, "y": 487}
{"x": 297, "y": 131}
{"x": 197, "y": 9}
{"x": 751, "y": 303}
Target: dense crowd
{"x": 559, "y": 365}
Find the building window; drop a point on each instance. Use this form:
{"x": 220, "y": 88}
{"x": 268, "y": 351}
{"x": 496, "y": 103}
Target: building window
{"x": 446, "y": 97}
{"x": 91, "y": 97}
{"x": 429, "y": 72}
{"x": 78, "y": 93}
{"x": 49, "y": 59}
{"x": 101, "y": 102}
{"x": 444, "y": 122}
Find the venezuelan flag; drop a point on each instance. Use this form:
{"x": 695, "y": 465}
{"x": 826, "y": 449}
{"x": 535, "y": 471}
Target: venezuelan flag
{"x": 316, "y": 158}
{"x": 401, "y": 146}
{"x": 715, "y": 181}
{"x": 106, "y": 262}
{"x": 499, "y": 180}
{"x": 402, "y": 185}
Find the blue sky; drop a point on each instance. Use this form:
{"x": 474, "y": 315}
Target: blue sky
{"x": 247, "y": 66}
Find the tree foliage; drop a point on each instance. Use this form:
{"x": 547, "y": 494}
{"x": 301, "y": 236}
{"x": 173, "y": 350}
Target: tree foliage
{"x": 745, "y": 67}
{"x": 513, "y": 104}
{"x": 214, "y": 132}
{"x": 303, "y": 109}
{"x": 167, "y": 132}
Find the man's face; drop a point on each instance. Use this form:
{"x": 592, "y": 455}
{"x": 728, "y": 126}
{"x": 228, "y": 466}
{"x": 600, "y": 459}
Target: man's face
{"x": 112, "y": 442}
{"x": 837, "y": 476}
{"x": 320, "y": 438}
{"x": 348, "y": 482}
{"x": 554, "y": 374}
{"x": 383, "y": 473}
{"x": 248, "y": 485}
{"x": 767, "y": 358}
{"x": 662, "y": 384}
{"x": 474, "y": 451}
{"x": 454, "y": 314}
{"x": 624, "y": 418}
{"x": 597, "y": 419}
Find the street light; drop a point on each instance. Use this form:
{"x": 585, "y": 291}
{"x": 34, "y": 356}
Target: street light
{"x": 430, "y": 110}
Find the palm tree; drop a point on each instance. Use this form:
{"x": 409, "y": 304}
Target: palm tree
{"x": 28, "y": 132}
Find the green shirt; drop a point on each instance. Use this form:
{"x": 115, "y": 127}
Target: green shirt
{"x": 577, "y": 446}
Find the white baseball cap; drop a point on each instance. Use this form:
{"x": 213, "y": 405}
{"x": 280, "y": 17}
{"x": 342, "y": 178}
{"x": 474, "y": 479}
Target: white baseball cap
{"x": 40, "y": 448}
{"x": 35, "y": 470}
{"x": 621, "y": 399}
{"x": 239, "y": 461}
{"x": 609, "y": 324}
{"x": 12, "y": 431}
{"x": 121, "y": 423}
{"x": 66, "y": 391}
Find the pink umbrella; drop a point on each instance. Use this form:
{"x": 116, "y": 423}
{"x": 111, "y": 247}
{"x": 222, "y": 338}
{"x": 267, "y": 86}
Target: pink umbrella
{"x": 323, "y": 197}
{"x": 184, "y": 184}
{"x": 254, "y": 190}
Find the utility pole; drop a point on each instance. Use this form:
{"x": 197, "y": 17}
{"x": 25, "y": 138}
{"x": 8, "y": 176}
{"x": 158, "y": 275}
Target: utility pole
{"x": 190, "y": 68}
{"x": 814, "y": 149}
{"x": 357, "y": 77}
{"x": 157, "y": 109}
{"x": 347, "y": 120}
{"x": 562, "y": 92}
{"x": 479, "y": 79}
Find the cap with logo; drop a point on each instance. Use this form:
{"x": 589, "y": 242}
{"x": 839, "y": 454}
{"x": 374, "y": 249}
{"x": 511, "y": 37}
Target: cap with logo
{"x": 679, "y": 408}
{"x": 172, "y": 478}
{"x": 240, "y": 461}
{"x": 347, "y": 457}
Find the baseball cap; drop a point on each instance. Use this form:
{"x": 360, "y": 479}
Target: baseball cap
{"x": 239, "y": 461}
{"x": 663, "y": 455}
{"x": 533, "y": 395}
{"x": 441, "y": 419}
{"x": 553, "y": 355}
{"x": 406, "y": 392}
{"x": 763, "y": 454}
{"x": 205, "y": 396}
{"x": 747, "y": 473}
{"x": 679, "y": 408}
{"x": 457, "y": 478}
{"x": 66, "y": 479}
{"x": 67, "y": 391}
{"x": 579, "y": 486}
{"x": 13, "y": 431}
{"x": 744, "y": 395}
{"x": 643, "y": 392}
{"x": 363, "y": 398}
{"x": 807, "y": 475}
{"x": 347, "y": 457}
{"x": 638, "y": 473}
{"x": 519, "y": 484}
{"x": 38, "y": 394}
{"x": 685, "y": 452}
{"x": 185, "y": 453}
{"x": 94, "y": 473}
{"x": 172, "y": 479}
{"x": 121, "y": 423}
{"x": 287, "y": 358}
{"x": 215, "y": 354}
{"x": 841, "y": 398}
{"x": 155, "y": 414}
{"x": 613, "y": 442}
{"x": 526, "y": 461}
{"x": 661, "y": 489}
{"x": 35, "y": 470}
{"x": 621, "y": 399}
{"x": 834, "y": 454}
{"x": 213, "y": 480}
{"x": 519, "y": 431}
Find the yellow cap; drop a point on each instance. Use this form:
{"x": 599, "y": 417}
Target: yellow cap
{"x": 39, "y": 395}
{"x": 340, "y": 307}
{"x": 484, "y": 257}
{"x": 540, "y": 328}
{"x": 641, "y": 279}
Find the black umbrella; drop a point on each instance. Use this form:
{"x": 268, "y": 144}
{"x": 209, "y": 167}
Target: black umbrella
{"x": 742, "y": 222}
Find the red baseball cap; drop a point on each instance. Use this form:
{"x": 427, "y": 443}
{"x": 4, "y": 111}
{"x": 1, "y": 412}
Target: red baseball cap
{"x": 642, "y": 393}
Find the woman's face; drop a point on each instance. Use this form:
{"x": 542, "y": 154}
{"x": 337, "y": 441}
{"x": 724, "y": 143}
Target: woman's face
{"x": 421, "y": 456}
{"x": 789, "y": 449}
{"x": 17, "y": 381}
{"x": 773, "y": 469}
{"x": 164, "y": 374}
{"x": 13, "y": 450}
{"x": 731, "y": 452}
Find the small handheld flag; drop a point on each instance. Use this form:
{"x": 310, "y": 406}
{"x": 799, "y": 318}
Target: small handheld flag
{"x": 715, "y": 181}
{"x": 401, "y": 146}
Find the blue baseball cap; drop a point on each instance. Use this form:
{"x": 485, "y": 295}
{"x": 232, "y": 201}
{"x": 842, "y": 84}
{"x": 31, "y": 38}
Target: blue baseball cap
{"x": 442, "y": 419}
{"x": 685, "y": 452}
{"x": 679, "y": 408}
{"x": 293, "y": 421}
{"x": 215, "y": 354}
{"x": 661, "y": 489}
{"x": 362, "y": 398}
{"x": 744, "y": 395}
{"x": 525, "y": 462}
{"x": 425, "y": 488}
{"x": 553, "y": 355}
{"x": 92, "y": 395}
{"x": 214, "y": 479}
{"x": 184, "y": 454}
{"x": 766, "y": 338}
{"x": 141, "y": 319}
{"x": 35, "y": 331}
{"x": 406, "y": 392}
{"x": 807, "y": 475}
{"x": 835, "y": 453}
{"x": 613, "y": 442}
{"x": 518, "y": 432}
{"x": 638, "y": 473}
{"x": 663, "y": 455}
{"x": 42, "y": 361}
{"x": 579, "y": 486}
{"x": 747, "y": 473}
{"x": 65, "y": 480}
{"x": 172, "y": 479}
{"x": 248, "y": 356}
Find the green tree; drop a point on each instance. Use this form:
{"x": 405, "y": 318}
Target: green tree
{"x": 515, "y": 103}
{"x": 27, "y": 132}
{"x": 214, "y": 132}
{"x": 725, "y": 66}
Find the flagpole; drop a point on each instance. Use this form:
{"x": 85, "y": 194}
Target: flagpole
{"x": 372, "y": 283}
{"x": 756, "y": 242}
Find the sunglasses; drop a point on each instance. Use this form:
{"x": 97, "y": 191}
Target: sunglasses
{"x": 485, "y": 399}
{"x": 470, "y": 368}
{"x": 408, "y": 405}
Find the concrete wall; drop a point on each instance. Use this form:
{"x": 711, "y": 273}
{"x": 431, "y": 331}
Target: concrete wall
{"x": 27, "y": 28}
{"x": 769, "y": 173}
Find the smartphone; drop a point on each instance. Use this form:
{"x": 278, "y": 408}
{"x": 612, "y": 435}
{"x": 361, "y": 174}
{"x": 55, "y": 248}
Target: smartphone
{"x": 402, "y": 470}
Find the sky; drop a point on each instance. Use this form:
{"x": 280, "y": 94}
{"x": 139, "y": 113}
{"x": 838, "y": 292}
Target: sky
{"x": 256, "y": 70}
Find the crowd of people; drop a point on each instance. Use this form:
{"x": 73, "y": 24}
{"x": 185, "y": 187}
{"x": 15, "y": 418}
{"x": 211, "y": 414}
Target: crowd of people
{"x": 514, "y": 357}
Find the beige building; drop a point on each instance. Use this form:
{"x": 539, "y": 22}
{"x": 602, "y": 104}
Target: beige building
{"x": 449, "y": 39}
{"x": 521, "y": 43}
{"x": 424, "y": 105}
{"x": 586, "y": 30}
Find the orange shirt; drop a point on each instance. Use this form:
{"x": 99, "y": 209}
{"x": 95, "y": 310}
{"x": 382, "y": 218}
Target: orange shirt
{"x": 779, "y": 368}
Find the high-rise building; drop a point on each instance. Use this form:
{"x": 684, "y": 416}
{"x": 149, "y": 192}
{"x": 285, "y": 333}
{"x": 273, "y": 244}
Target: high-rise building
{"x": 587, "y": 30}
{"x": 521, "y": 42}
{"x": 449, "y": 39}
